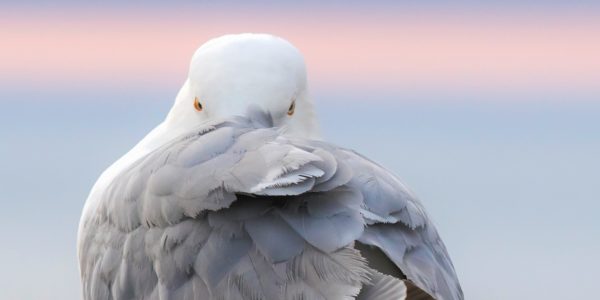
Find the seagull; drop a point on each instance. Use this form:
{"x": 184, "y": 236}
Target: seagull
{"x": 235, "y": 196}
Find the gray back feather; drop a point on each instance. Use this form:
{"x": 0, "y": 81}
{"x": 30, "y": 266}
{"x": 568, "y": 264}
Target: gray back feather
{"x": 236, "y": 210}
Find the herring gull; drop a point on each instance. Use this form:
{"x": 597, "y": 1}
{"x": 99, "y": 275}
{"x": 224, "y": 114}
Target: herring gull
{"x": 235, "y": 196}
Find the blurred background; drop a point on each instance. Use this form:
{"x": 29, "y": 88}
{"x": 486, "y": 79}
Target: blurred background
{"x": 490, "y": 112}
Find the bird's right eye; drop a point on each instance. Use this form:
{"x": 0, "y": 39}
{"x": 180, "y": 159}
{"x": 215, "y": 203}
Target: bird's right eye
{"x": 197, "y": 104}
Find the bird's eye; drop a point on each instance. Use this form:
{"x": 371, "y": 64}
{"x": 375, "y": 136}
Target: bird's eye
{"x": 292, "y": 108}
{"x": 197, "y": 104}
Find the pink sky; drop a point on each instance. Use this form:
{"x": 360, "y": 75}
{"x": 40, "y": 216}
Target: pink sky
{"x": 375, "y": 49}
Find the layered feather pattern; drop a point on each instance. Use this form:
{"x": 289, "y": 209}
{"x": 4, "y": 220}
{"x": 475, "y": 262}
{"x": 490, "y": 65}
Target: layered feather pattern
{"x": 237, "y": 210}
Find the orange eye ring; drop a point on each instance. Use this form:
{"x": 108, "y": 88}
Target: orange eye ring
{"x": 197, "y": 104}
{"x": 292, "y": 108}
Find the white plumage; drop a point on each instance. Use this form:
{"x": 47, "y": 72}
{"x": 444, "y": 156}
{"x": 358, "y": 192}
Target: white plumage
{"x": 235, "y": 198}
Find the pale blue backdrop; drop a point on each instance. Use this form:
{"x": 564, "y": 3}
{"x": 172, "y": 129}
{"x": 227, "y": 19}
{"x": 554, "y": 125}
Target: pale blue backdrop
{"x": 513, "y": 186}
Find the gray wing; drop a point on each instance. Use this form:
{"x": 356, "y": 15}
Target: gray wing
{"x": 396, "y": 223}
{"x": 235, "y": 210}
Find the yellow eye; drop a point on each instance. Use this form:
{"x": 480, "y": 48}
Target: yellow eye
{"x": 292, "y": 108}
{"x": 197, "y": 104}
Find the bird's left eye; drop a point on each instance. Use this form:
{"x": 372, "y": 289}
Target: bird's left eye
{"x": 292, "y": 108}
{"x": 197, "y": 104}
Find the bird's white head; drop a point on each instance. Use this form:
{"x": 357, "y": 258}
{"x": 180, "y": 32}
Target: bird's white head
{"x": 228, "y": 74}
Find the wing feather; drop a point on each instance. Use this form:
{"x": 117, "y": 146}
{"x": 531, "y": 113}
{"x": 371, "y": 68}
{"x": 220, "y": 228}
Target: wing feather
{"x": 399, "y": 226}
{"x": 236, "y": 210}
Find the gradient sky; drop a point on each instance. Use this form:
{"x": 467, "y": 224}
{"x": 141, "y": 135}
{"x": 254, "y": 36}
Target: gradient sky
{"x": 490, "y": 112}
{"x": 375, "y": 46}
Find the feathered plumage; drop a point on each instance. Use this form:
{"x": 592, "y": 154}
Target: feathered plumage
{"x": 235, "y": 210}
